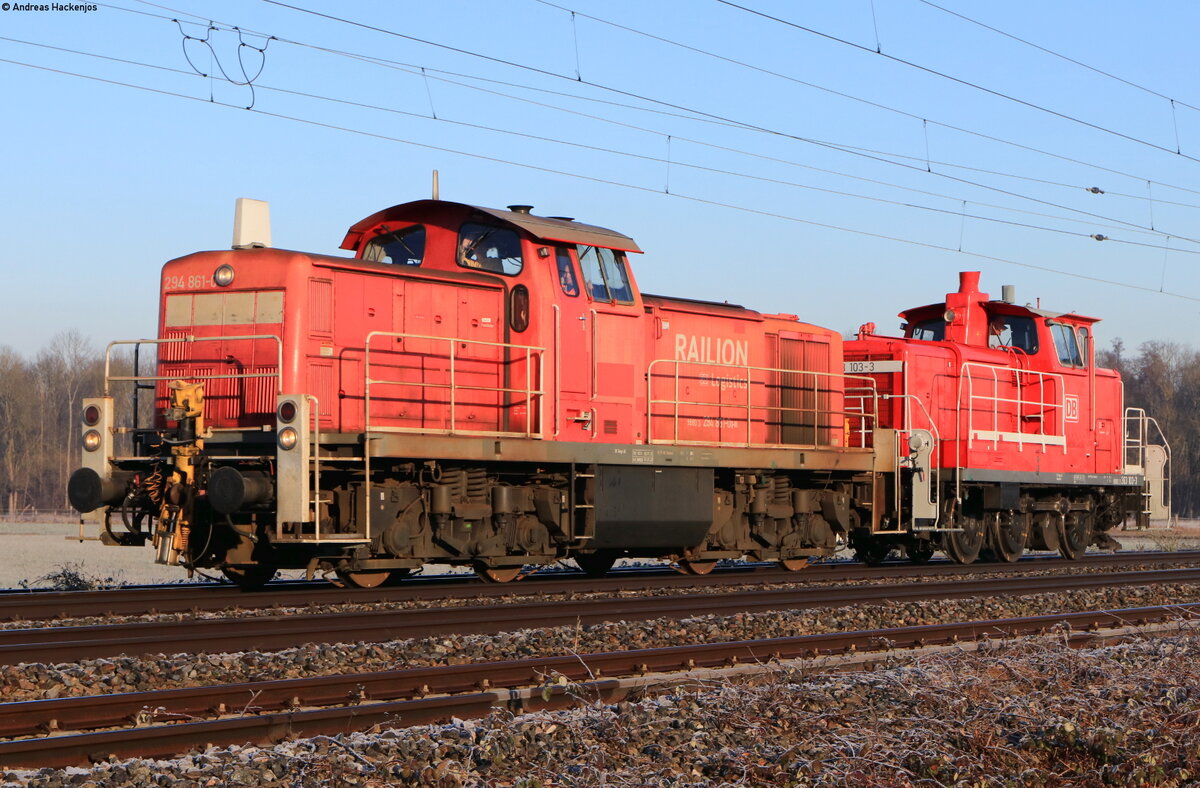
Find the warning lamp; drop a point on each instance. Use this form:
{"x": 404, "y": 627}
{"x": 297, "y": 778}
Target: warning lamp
{"x": 288, "y": 438}
{"x": 287, "y": 412}
{"x": 223, "y": 276}
{"x": 91, "y": 440}
{"x": 91, "y": 415}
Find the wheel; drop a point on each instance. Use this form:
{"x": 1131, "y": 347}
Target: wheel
{"x": 794, "y": 564}
{"x": 692, "y": 567}
{"x": 919, "y": 551}
{"x": 497, "y": 574}
{"x": 872, "y": 552}
{"x": 963, "y": 546}
{"x": 372, "y": 579}
{"x": 1074, "y": 535}
{"x": 1007, "y": 536}
{"x": 595, "y": 564}
{"x": 249, "y": 578}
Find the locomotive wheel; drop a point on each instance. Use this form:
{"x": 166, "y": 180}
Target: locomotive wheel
{"x": 1007, "y": 536}
{"x": 1074, "y": 535}
{"x": 596, "y": 564}
{"x": 963, "y": 546}
{"x": 497, "y": 574}
{"x": 794, "y": 564}
{"x": 249, "y": 578}
{"x": 697, "y": 567}
{"x": 372, "y": 579}
{"x": 872, "y": 553}
{"x": 919, "y": 552}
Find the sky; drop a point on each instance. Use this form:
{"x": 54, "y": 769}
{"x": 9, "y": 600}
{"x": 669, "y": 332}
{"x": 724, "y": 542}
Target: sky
{"x": 840, "y": 161}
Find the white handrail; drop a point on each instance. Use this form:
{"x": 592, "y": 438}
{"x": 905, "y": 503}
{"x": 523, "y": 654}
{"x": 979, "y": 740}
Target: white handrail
{"x": 864, "y": 392}
{"x": 277, "y": 374}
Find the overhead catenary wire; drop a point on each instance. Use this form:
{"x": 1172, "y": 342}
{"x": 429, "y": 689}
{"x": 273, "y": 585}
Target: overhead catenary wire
{"x": 959, "y": 80}
{"x": 682, "y": 112}
{"x": 668, "y": 160}
{"x": 850, "y": 96}
{"x": 1060, "y": 55}
{"x": 607, "y": 181}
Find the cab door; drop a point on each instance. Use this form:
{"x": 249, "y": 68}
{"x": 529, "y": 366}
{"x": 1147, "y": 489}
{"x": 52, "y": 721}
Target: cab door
{"x": 572, "y": 328}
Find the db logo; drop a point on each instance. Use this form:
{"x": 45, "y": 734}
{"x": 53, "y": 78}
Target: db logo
{"x": 1071, "y": 408}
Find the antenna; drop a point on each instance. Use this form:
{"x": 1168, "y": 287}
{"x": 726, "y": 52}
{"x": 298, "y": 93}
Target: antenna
{"x": 435, "y": 186}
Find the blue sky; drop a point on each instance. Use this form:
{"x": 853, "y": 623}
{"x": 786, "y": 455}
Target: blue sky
{"x": 792, "y": 172}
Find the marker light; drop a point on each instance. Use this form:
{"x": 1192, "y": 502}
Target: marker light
{"x": 223, "y": 276}
{"x": 91, "y": 415}
{"x": 287, "y": 412}
{"x": 91, "y": 440}
{"x": 288, "y": 438}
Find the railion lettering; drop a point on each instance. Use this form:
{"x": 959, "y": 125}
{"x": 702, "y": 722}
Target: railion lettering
{"x": 712, "y": 350}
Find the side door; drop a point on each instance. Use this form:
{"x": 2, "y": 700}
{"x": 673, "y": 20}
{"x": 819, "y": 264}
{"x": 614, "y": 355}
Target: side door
{"x": 572, "y": 330}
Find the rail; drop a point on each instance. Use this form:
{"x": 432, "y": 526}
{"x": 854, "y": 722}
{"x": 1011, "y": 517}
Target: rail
{"x": 818, "y": 417}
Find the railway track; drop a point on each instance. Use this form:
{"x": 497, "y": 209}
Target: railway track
{"x": 181, "y": 598}
{"x": 265, "y": 712}
{"x": 269, "y": 632}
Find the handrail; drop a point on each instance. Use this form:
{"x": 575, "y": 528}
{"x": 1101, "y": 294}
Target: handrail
{"x": 532, "y": 396}
{"x": 277, "y": 374}
{"x": 1043, "y": 404}
{"x": 863, "y": 393}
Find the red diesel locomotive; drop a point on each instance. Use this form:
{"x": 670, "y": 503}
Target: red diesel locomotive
{"x": 488, "y": 387}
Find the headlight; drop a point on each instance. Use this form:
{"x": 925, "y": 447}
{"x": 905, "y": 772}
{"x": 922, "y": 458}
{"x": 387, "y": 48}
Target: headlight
{"x": 91, "y": 440}
{"x": 287, "y": 412}
{"x": 91, "y": 415}
{"x": 223, "y": 276}
{"x": 288, "y": 438}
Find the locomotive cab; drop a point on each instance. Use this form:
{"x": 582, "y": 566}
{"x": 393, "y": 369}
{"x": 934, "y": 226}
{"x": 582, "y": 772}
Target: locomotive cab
{"x": 1025, "y": 440}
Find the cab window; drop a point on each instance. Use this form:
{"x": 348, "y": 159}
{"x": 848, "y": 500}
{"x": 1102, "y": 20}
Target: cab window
{"x": 1085, "y": 339}
{"x": 403, "y": 247}
{"x": 1013, "y": 331}
{"x": 487, "y": 248}
{"x": 929, "y": 330}
{"x": 566, "y": 272}
{"x": 604, "y": 273}
{"x": 1065, "y": 344}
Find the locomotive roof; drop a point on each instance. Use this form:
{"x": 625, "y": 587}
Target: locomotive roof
{"x": 542, "y": 227}
{"x": 1011, "y": 309}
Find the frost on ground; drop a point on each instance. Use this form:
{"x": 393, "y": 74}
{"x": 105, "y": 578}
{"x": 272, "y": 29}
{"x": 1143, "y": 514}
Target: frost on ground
{"x": 1025, "y": 714}
{"x": 34, "y": 681}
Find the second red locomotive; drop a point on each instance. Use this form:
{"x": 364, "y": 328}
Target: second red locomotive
{"x": 490, "y": 387}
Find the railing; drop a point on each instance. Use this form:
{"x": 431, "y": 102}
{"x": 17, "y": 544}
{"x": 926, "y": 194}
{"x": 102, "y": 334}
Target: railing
{"x": 819, "y": 416}
{"x": 277, "y": 374}
{"x": 1140, "y": 431}
{"x": 1147, "y": 451}
{"x": 533, "y": 397}
{"x": 987, "y": 411}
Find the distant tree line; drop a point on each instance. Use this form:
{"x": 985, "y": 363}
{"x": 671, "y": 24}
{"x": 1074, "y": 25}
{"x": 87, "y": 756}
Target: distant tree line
{"x": 1164, "y": 378}
{"x": 40, "y": 413}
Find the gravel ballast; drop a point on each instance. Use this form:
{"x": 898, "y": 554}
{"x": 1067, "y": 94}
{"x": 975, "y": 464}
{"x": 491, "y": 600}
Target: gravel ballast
{"x": 129, "y": 674}
{"x": 1028, "y": 713}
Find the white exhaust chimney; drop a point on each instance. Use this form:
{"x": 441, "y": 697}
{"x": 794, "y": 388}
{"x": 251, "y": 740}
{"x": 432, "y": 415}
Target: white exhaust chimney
{"x": 251, "y": 224}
